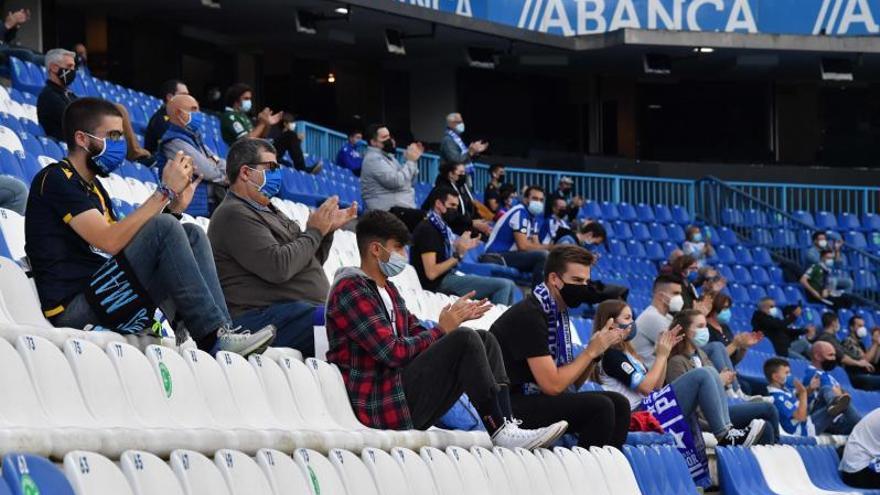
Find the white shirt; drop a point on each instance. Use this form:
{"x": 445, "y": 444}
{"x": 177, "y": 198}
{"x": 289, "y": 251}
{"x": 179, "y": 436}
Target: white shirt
{"x": 863, "y": 445}
{"x": 389, "y": 307}
{"x": 649, "y": 324}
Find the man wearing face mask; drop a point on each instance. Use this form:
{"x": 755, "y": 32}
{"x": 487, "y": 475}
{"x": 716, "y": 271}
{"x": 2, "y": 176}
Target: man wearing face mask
{"x": 545, "y": 375}
{"x": 791, "y": 398}
{"x": 56, "y": 95}
{"x": 453, "y": 149}
{"x": 820, "y": 285}
{"x": 350, "y": 155}
{"x": 387, "y": 184}
{"x": 666, "y": 301}
{"x": 437, "y": 251}
{"x": 813, "y": 255}
{"x": 271, "y": 271}
{"x": 851, "y": 357}
{"x": 565, "y": 192}
{"x": 159, "y": 121}
{"x": 492, "y": 194}
{"x": 854, "y": 344}
{"x": 185, "y": 134}
{"x": 830, "y": 395}
{"x": 401, "y": 374}
{"x": 515, "y": 236}
{"x": 91, "y": 268}
{"x": 453, "y": 176}
{"x": 555, "y": 221}
{"x": 235, "y": 122}
{"x": 777, "y": 326}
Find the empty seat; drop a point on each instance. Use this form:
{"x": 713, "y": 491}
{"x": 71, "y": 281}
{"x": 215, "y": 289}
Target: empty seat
{"x": 387, "y": 474}
{"x": 784, "y": 470}
{"x": 324, "y": 478}
{"x": 557, "y": 476}
{"x": 442, "y": 469}
{"x": 241, "y": 473}
{"x": 536, "y": 473}
{"x": 149, "y": 475}
{"x": 94, "y": 474}
{"x": 826, "y": 220}
{"x": 616, "y": 469}
{"x": 493, "y": 469}
{"x": 354, "y": 474}
{"x": 418, "y": 476}
{"x": 28, "y": 474}
{"x": 197, "y": 474}
{"x": 520, "y": 480}
{"x": 583, "y": 470}
{"x": 469, "y": 470}
{"x": 282, "y": 473}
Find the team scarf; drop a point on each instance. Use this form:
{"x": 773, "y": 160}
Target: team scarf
{"x": 469, "y": 167}
{"x": 558, "y": 333}
{"x": 447, "y": 233}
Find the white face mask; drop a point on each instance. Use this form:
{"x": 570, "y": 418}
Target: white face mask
{"x": 862, "y": 332}
{"x": 823, "y": 243}
{"x": 676, "y": 302}
{"x": 291, "y": 126}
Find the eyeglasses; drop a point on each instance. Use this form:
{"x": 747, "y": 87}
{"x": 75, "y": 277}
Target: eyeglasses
{"x": 269, "y": 165}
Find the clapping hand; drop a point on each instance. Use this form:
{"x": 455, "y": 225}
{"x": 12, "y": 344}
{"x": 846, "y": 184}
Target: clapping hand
{"x": 462, "y": 310}
{"x": 478, "y": 147}
{"x": 606, "y": 338}
{"x": 799, "y": 388}
{"x": 322, "y": 218}
{"x": 414, "y": 152}
{"x": 668, "y": 340}
{"x": 465, "y": 243}
{"x": 178, "y": 172}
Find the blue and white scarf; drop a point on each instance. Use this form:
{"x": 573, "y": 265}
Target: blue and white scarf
{"x": 449, "y": 236}
{"x": 558, "y": 334}
{"x": 663, "y": 405}
{"x": 468, "y": 167}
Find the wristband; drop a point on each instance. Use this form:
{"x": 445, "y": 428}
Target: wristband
{"x": 166, "y": 191}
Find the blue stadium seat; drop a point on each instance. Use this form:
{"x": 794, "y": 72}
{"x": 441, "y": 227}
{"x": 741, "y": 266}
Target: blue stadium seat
{"x": 669, "y": 247}
{"x": 782, "y": 238}
{"x": 647, "y": 438}
{"x": 4, "y": 248}
{"x": 739, "y": 472}
{"x": 617, "y": 248}
{"x": 762, "y": 236}
{"x": 29, "y": 166}
{"x": 794, "y": 294}
{"x": 776, "y": 275}
{"x": 31, "y": 144}
{"x": 11, "y": 122}
{"x": 822, "y": 464}
{"x": 622, "y": 231}
{"x": 826, "y": 220}
{"x": 681, "y": 215}
{"x": 757, "y": 292}
{"x": 640, "y": 232}
{"x": 635, "y": 249}
{"x": 662, "y": 214}
{"x": 805, "y": 217}
{"x": 731, "y": 216}
{"x": 22, "y": 79}
{"x": 644, "y": 213}
{"x": 743, "y": 255}
{"x": 870, "y": 222}
{"x": 725, "y": 272}
{"x": 591, "y": 209}
{"x": 610, "y": 211}
{"x": 777, "y": 294}
{"x": 728, "y": 236}
{"x": 738, "y": 293}
{"x": 28, "y": 474}
{"x": 752, "y": 366}
{"x": 865, "y": 280}
{"x": 654, "y": 251}
{"x": 675, "y": 233}
{"x": 793, "y": 440}
{"x": 760, "y": 256}
{"x": 660, "y": 469}
{"x": 848, "y": 221}
{"x": 10, "y": 165}
{"x": 52, "y": 148}
{"x": 868, "y": 316}
{"x": 627, "y": 212}
{"x": 760, "y": 275}
{"x": 803, "y": 237}
{"x": 725, "y": 255}
{"x": 856, "y": 239}
{"x": 658, "y": 232}
{"x": 583, "y": 327}
{"x": 741, "y": 275}
{"x": 754, "y": 218}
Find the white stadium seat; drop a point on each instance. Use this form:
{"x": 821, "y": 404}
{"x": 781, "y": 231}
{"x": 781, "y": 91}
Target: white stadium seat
{"x": 583, "y": 470}
{"x": 556, "y": 475}
{"x": 418, "y": 476}
{"x": 24, "y": 426}
{"x": 149, "y": 475}
{"x": 535, "y": 471}
{"x": 45, "y": 161}
{"x": 10, "y": 140}
{"x": 499, "y": 484}
{"x": 282, "y": 473}
{"x": 197, "y": 474}
{"x": 323, "y": 477}
{"x": 276, "y": 353}
{"x": 387, "y": 474}
{"x": 94, "y": 474}
{"x": 445, "y": 474}
{"x": 520, "y": 483}
{"x": 12, "y": 226}
{"x": 241, "y": 473}
{"x": 784, "y": 471}
{"x": 354, "y": 474}
{"x": 621, "y": 480}
{"x": 469, "y": 470}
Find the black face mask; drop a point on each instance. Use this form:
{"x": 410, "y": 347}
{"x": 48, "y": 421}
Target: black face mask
{"x": 461, "y": 181}
{"x": 388, "y": 146}
{"x": 829, "y": 365}
{"x": 451, "y": 217}
{"x": 575, "y": 294}
{"x": 67, "y": 76}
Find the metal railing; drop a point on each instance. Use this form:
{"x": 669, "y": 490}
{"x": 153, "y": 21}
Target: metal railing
{"x": 814, "y": 198}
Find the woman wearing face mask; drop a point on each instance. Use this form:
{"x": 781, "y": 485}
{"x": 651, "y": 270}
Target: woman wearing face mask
{"x": 622, "y": 371}
{"x": 453, "y": 175}
{"x": 697, "y": 246}
{"x": 863, "y": 377}
{"x": 686, "y": 269}
{"x": 719, "y": 329}
{"x": 288, "y": 142}
{"x": 686, "y": 357}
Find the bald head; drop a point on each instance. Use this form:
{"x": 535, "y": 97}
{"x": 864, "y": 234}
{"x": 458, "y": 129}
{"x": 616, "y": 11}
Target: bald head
{"x": 823, "y": 351}
{"x": 179, "y": 108}
{"x": 453, "y": 120}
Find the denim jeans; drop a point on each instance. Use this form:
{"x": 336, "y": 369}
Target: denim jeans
{"x": 13, "y": 194}
{"x": 824, "y": 422}
{"x": 175, "y": 264}
{"x": 742, "y": 414}
{"x": 702, "y": 388}
{"x": 293, "y": 320}
{"x": 497, "y": 290}
{"x": 717, "y": 353}
{"x": 527, "y": 261}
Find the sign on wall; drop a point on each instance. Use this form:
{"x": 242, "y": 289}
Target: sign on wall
{"x": 577, "y": 17}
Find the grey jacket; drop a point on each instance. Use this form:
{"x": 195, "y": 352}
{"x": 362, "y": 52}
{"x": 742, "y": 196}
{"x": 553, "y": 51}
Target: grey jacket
{"x": 451, "y": 153}
{"x": 205, "y": 166}
{"x": 386, "y": 183}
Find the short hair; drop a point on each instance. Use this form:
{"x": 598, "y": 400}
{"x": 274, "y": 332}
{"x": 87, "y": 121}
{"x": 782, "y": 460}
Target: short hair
{"x": 378, "y": 225}
{"x": 682, "y": 262}
{"x": 823, "y": 252}
{"x": 494, "y": 167}
{"x": 234, "y": 92}
{"x": 594, "y": 228}
{"x": 664, "y": 280}
{"x": 353, "y": 132}
{"x": 529, "y": 190}
{"x": 853, "y": 319}
{"x": 765, "y": 299}
{"x": 828, "y": 317}
{"x": 372, "y": 131}
{"x": 441, "y": 193}
{"x": 169, "y": 87}
{"x": 817, "y": 233}
{"x": 56, "y": 55}
{"x": 448, "y": 167}
{"x": 719, "y": 302}
{"x": 243, "y": 152}
{"x": 85, "y": 114}
{"x": 560, "y": 256}
{"x": 773, "y": 364}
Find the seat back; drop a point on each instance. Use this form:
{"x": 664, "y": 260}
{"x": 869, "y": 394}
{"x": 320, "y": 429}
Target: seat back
{"x": 471, "y": 472}
{"x": 20, "y": 405}
{"x": 283, "y": 475}
{"x": 209, "y": 379}
{"x": 581, "y": 474}
{"x": 143, "y": 390}
{"x": 94, "y": 474}
{"x": 613, "y": 461}
{"x": 306, "y": 394}
{"x": 493, "y": 470}
{"x": 241, "y": 473}
{"x": 246, "y": 390}
{"x": 324, "y": 478}
{"x": 418, "y": 476}
{"x": 556, "y": 475}
{"x": 98, "y": 382}
{"x": 18, "y": 294}
{"x": 354, "y": 474}
{"x": 387, "y": 474}
{"x": 535, "y": 470}
{"x": 183, "y": 397}
{"x": 276, "y": 388}
{"x": 335, "y": 395}
{"x": 28, "y": 474}
{"x": 594, "y": 471}
{"x": 148, "y": 475}
{"x": 517, "y": 475}
{"x": 197, "y": 474}
{"x": 445, "y": 475}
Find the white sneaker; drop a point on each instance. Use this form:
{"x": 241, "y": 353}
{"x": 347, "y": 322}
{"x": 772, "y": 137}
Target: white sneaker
{"x": 511, "y": 436}
{"x": 244, "y": 342}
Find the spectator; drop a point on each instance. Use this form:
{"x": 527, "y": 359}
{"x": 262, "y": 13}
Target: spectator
{"x": 271, "y": 271}
{"x": 777, "y": 326}
{"x": 830, "y": 395}
{"x": 159, "y": 121}
{"x": 791, "y": 399}
{"x": 666, "y": 300}
{"x": 722, "y": 347}
{"x": 696, "y": 246}
{"x": 452, "y": 176}
{"x": 545, "y": 373}
{"x": 566, "y": 193}
{"x": 235, "y": 123}
{"x": 185, "y": 134}
{"x": 385, "y": 183}
{"x": 400, "y": 374}
{"x": 719, "y": 330}
{"x": 555, "y": 221}
{"x": 623, "y": 372}
{"x": 709, "y": 281}
{"x": 854, "y": 346}
{"x": 821, "y": 287}
{"x": 56, "y": 95}
{"x": 685, "y": 270}
{"x": 75, "y": 241}
{"x": 507, "y": 198}
{"x": 9, "y": 30}
{"x": 851, "y": 356}
{"x": 288, "y": 141}
{"x": 492, "y": 195}
{"x": 13, "y": 194}
{"x": 813, "y": 256}
{"x": 437, "y": 251}
{"x": 515, "y": 236}
{"x": 452, "y": 148}
{"x": 588, "y": 235}
{"x": 82, "y": 58}
{"x": 666, "y": 268}
{"x": 860, "y": 465}
{"x": 349, "y": 155}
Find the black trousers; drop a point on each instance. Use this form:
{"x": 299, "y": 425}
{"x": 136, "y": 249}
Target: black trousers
{"x": 463, "y": 361}
{"x": 598, "y": 418}
{"x": 866, "y": 478}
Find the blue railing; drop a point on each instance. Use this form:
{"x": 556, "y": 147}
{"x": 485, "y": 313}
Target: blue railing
{"x": 814, "y": 198}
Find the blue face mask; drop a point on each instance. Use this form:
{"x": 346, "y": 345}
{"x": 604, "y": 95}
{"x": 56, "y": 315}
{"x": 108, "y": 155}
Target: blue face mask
{"x": 697, "y": 237}
{"x": 246, "y": 105}
{"x": 724, "y": 315}
{"x": 536, "y": 207}
{"x": 196, "y": 122}
{"x": 459, "y": 128}
{"x": 692, "y": 276}
{"x": 701, "y": 336}
{"x": 394, "y": 266}
{"x": 271, "y": 185}
{"x": 111, "y": 156}
{"x": 775, "y": 312}
{"x": 789, "y": 381}
{"x": 633, "y": 331}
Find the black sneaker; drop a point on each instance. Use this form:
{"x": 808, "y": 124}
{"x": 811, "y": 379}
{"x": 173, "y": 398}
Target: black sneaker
{"x": 743, "y": 437}
{"x": 838, "y": 405}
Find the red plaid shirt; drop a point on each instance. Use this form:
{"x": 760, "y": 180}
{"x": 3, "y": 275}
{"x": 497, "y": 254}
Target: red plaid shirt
{"x": 370, "y": 353}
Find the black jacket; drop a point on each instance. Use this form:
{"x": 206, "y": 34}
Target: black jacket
{"x": 778, "y": 331}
